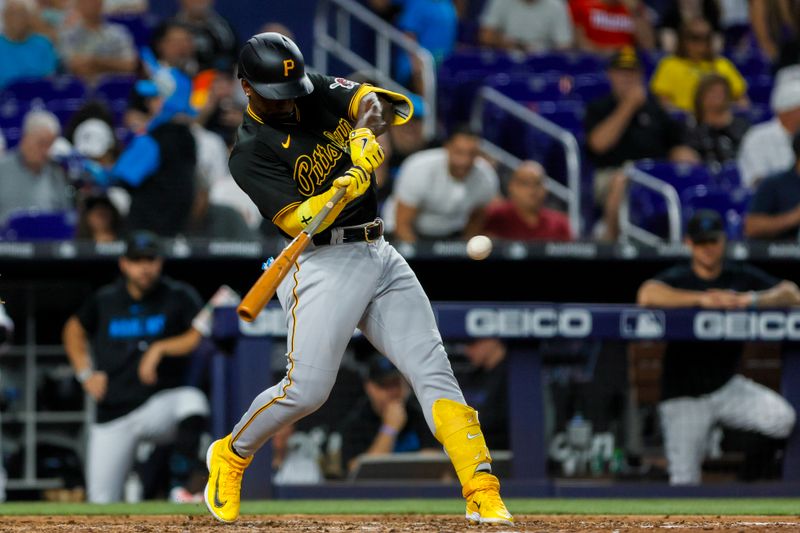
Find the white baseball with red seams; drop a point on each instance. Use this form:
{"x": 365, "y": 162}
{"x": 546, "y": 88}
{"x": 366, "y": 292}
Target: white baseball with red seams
{"x": 479, "y": 247}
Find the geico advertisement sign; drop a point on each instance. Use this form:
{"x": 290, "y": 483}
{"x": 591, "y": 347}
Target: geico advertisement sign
{"x": 540, "y": 322}
{"x": 742, "y": 325}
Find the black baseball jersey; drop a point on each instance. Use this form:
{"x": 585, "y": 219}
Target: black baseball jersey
{"x": 121, "y": 329}
{"x": 694, "y": 368}
{"x": 281, "y": 164}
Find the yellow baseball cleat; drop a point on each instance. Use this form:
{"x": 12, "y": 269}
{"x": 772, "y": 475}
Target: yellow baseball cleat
{"x": 223, "y": 490}
{"x": 484, "y": 505}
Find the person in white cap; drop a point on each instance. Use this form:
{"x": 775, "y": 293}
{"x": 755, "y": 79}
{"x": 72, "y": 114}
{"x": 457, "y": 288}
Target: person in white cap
{"x": 94, "y": 138}
{"x": 766, "y": 148}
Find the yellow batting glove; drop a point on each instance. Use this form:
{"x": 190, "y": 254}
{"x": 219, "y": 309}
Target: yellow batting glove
{"x": 365, "y": 151}
{"x": 356, "y": 181}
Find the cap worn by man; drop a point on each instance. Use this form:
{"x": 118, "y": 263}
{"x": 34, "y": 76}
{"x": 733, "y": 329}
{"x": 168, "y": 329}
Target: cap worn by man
{"x": 381, "y": 370}
{"x": 93, "y": 138}
{"x": 142, "y": 245}
{"x": 705, "y": 226}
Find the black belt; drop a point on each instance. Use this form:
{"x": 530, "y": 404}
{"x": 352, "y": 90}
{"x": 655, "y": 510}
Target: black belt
{"x": 368, "y": 233}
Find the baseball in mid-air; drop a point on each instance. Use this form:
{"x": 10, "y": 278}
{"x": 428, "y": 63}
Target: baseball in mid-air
{"x": 479, "y": 247}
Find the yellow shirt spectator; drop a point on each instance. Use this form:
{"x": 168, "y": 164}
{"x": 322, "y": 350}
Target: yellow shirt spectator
{"x": 675, "y": 79}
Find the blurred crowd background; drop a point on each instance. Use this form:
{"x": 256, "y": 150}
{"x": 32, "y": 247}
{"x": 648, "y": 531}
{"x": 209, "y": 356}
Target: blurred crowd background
{"x": 701, "y": 95}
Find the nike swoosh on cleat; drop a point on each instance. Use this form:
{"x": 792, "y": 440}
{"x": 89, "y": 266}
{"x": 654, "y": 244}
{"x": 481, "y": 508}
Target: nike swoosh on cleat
{"x": 288, "y": 141}
{"x": 218, "y": 503}
{"x": 470, "y": 436}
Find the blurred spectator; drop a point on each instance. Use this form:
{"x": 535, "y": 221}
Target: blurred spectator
{"x": 681, "y": 12}
{"x": 716, "y": 132}
{"x": 434, "y": 25}
{"x": 605, "y": 26}
{"x": 224, "y": 106}
{"x": 486, "y": 388}
{"x": 527, "y": 25}
{"x": 125, "y": 7}
{"x": 99, "y": 220}
{"x": 675, "y": 80}
{"x": 174, "y": 46}
{"x": 129, "y": 346}
{"x": 523, "y": 215}
{"x": 277, "y": 27}
{"x": 29, "y": 178}
{"x": 91, "y": 108}
{"x": 94, "y": 138}
{"x": 700, "y": 387}
{"x": 214, "y": 38}
{"x": 442, "y": 192}
{"x": 2, "y": 143}
{"x": 159, "y": 165}
{"x": 94, "y": 47}
{"x": 773, "y": 23}
{"x": 774, "y": 211}
{"x": 766, "y": 148}
{"x": 387, "y": 420}
{"x": 625, "y": 126}
{"x": 26, "y": 54}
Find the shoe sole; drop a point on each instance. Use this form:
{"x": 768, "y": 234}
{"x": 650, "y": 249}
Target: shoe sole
{"x": 205, "y": 491}
{"x": 476, "y": 519}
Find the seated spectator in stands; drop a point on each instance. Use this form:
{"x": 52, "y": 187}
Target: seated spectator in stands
{"x": 675, "y": 80}
{"x": 679, "y": 13}
{"x": 277, "y": 27}
{"x": 30, "y": 179}
{"x": 774, "y": 211}
{"x": 527, "y": 25}
{"x": 159, "y": 165}
{"x": 214, "y": 37}
{"x": 387, "y": 420}
{"x": 523, "y": 215}
{"x": 486, "y": 387}
{"x": 27, "y": 54}
{"x": 700, "y": 387}
{"x": 624, "y": 126}
{"x": 433, "y": 24}
{"x": 129, "y": 346}
{"x": 766, "y": 148}
{"x": 174, "y": 46}
{"x": 94, "y": 46}
{"x": 716, "y": 133}
{"x": 605, "y": 26}
{"x": 442, "y": 193}
{"x": 98, "y": 219}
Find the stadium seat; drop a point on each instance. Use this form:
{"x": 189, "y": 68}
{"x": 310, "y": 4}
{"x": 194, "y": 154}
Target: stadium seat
{"x": 759, "y": 88}
{"x": 34, "y": 225}
{"x": 731, "y": 204}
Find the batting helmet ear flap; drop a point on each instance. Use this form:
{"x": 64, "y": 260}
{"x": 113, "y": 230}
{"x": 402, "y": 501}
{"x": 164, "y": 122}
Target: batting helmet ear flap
{"x": 274, "y": 67}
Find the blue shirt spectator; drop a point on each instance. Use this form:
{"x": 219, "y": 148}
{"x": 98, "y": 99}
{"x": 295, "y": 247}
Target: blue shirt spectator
{"x": 434, "y": 25}
{"x": 33, "y": 55}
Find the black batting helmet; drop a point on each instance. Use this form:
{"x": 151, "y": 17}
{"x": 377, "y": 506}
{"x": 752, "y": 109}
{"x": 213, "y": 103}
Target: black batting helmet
{"x": 274, "y": 67}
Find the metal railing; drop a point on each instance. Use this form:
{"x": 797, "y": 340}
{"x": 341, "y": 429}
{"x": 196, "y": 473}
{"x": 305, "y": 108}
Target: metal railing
{"x": 386, "y": 35}
{"x": 569, "y": 194}
{"x": 628, "y": 230}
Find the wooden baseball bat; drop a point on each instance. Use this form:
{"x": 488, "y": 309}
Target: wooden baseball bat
{"x": 264, "y": 288}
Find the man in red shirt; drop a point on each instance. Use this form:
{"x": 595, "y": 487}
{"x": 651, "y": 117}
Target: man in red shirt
{"x": 522, "y": 216}
{"x": 604, "y": 26}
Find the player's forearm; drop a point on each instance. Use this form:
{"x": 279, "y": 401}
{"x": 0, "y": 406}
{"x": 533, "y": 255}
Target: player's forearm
{"x": 76, "y": 345}
{"x": 383, "y": 443}
{"x": 180, "y": 345}
{"x": 784, "y": 294}
{"x": 657, "y": 294}
{"x": 374, "y": 113}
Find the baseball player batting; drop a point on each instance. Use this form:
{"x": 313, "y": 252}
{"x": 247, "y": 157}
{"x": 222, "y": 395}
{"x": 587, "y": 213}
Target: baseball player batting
{"x": 303, "y": 138}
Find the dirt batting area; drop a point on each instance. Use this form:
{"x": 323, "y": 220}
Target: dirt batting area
{"x": 392, "y": 523}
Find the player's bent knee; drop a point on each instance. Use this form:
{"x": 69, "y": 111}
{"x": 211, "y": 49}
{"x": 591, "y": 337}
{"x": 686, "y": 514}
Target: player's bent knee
{"x": 190, "y": 401}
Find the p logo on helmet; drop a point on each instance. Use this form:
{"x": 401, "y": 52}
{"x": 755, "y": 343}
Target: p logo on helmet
{"x": 288, "y": 64}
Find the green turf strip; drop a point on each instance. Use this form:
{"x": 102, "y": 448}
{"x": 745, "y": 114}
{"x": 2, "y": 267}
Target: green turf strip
{"x": 749, "y": 506}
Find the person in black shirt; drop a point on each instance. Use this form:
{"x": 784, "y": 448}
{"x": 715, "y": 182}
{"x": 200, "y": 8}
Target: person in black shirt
{"x": 387, "y": 420}
{"x": 700, "y": 387}
{"x": 486, "y": 387}
{"x": 624, "y": 126}
{"x": 128, "y": 345}
{"x": 774, "y": 212}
